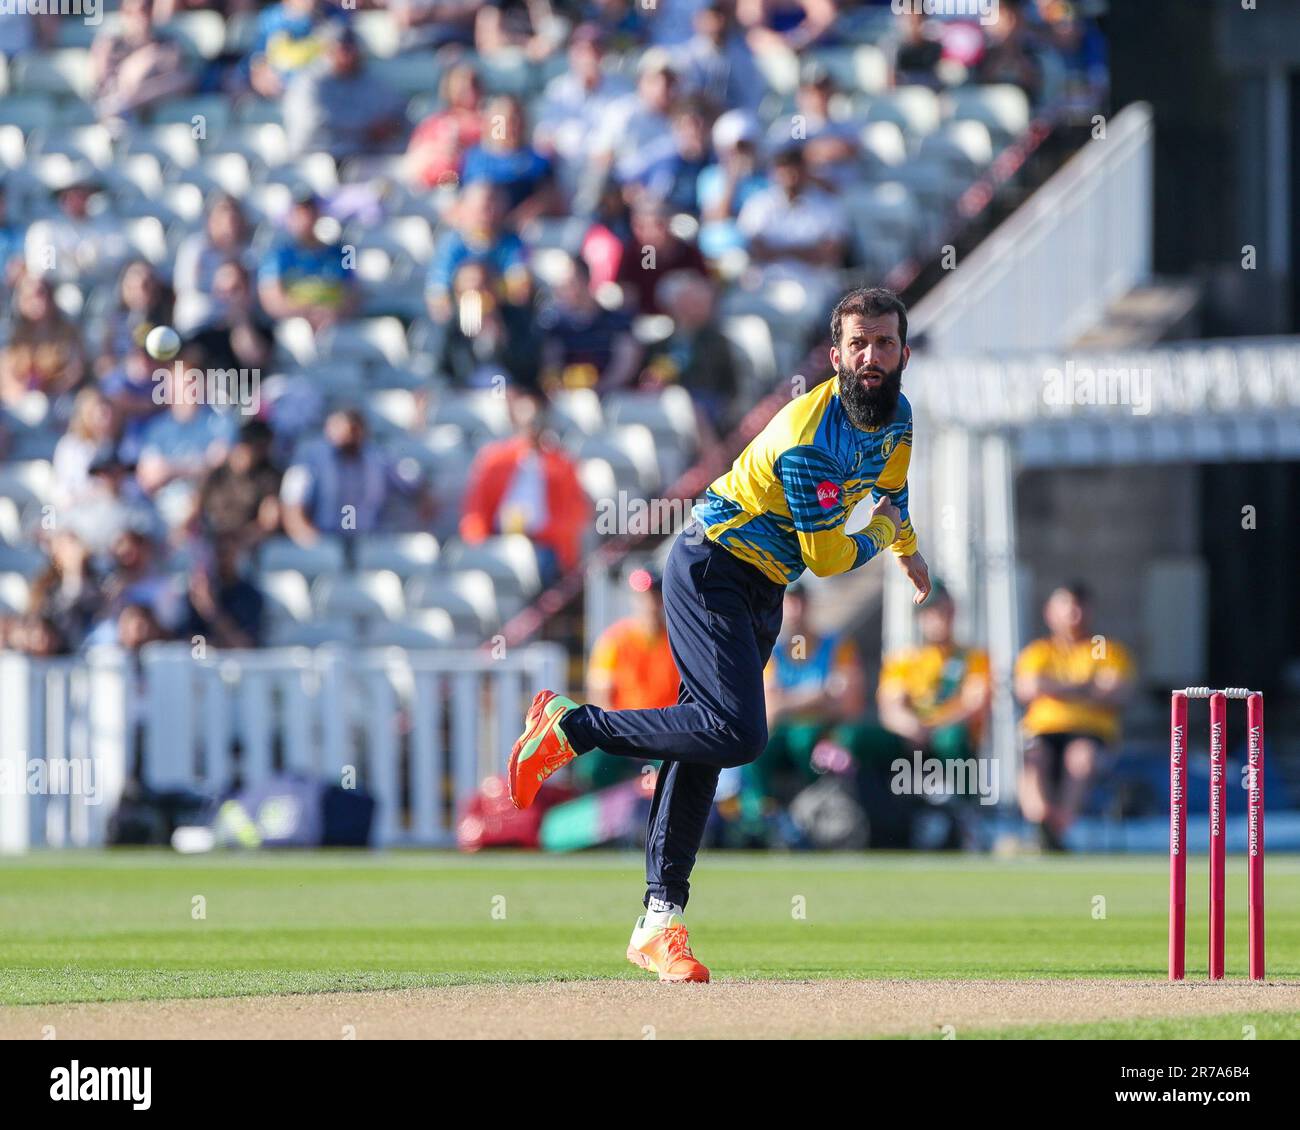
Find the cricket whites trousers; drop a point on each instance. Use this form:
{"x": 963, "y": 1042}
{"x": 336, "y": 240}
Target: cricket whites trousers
{"x": 723, "y": 617}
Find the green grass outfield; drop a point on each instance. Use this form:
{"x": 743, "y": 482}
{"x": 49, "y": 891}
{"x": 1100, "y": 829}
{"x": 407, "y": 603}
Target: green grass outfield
{"x": 123, "y": 925}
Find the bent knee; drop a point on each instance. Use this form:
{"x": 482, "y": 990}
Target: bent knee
{"x": 748, "y": 740}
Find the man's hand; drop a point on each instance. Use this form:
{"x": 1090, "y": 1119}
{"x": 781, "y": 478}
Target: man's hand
{"x": 889, "y": 510}
{"x": 918, "y": 572}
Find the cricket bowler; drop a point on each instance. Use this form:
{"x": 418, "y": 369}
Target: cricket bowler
{"x": 781, "y": 509}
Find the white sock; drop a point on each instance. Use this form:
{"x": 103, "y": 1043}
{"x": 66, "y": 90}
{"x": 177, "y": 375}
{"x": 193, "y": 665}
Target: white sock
{"x": 659, "y": 912}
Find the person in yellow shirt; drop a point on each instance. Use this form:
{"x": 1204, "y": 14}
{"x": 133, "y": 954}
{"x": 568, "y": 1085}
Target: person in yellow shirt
{"x": 936, "y": 697}
{"x": 1072, "y": 684}
{"x": 631, "y": 668}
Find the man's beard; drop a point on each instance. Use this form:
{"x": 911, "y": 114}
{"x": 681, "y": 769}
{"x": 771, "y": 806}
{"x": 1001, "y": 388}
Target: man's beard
{"x": 869, "y": 407}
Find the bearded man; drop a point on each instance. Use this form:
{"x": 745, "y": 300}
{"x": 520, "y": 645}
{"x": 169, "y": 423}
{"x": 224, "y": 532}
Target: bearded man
{"x": 782, "y": 508}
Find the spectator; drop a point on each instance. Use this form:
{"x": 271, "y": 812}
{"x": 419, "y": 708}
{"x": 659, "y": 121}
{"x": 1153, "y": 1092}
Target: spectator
{"x": 178, "y": 447}
{"x": 486, "y": 338}
{"x": 341, "y": 107}
{"x": 620, "y": 22}
{"x": 136, "y": 626}
{"x": 603, "y": 242}
{"x": 12, "y": 237}
{"x": 796, "y": 232}
{"x": 33, "y": 29}
{"x": 135, "y": 579}
{"x": 504, "y": 158}
{"x": 36, "y": 637}
{"x": 583, "y": 344}
{"x": 637, "y": 124}
{"x": 631, "y": 668}
{"x": 434, "y": 24}
{"x": 75, "y": 246}
{"x": 342, "y": 484}
{"x": 673, "y": 23}
{"x": 650, "y": 255}
{"x": 240, "y": 497}
{"x": 815, "y": 690}
{"x": 477, "y": 236}
{"x": 439, "y": 143}
{"x": 133, "y": 66}
{"x": 576, "y": 103}
{"x": 302, "y": 277}
{"x": 527, "y": 484}
{"x": 726, "y": 186}
{"x": 1072, "y": 684}
{"x": 237, "y": 335}
{"x": 165, "y": 10}
{"x": 68, "y": 592}
{"x": 527, "y": 25}
{"x": 130, "y": 388}
{"x": 290, "y": 38}
{"x": 225, "y": 236}
{"x": 1010, "y": 53}
{"x": 114, "y": 504}
{"x": 696, "y": 354}
{"x": 222, "y": 606}
{"x": 92, "y": 427}
{"x": 673, "y": 174}
{"x": 144, "y": 301}
{"x": 717, "y": 63}
{"x": 918, "y": 51}
{"x": 935, "y": 697}
{"x": 43, "y": 353}
{"x": 832, "y": 151}
{"x": 784, "y": 26}
{"x": 1077, "y": 40}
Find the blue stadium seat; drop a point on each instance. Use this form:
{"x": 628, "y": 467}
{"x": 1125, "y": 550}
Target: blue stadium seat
{"x": 326, "y": 556}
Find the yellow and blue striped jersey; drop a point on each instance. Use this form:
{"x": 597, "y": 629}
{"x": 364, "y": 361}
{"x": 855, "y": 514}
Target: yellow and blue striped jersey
{"x": 783, "y": 505}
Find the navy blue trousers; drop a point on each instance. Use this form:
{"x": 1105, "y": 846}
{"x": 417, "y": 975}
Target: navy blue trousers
{"x": 723, "y": 617}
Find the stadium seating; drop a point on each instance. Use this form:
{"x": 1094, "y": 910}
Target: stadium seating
{"x": 163, "y": 166}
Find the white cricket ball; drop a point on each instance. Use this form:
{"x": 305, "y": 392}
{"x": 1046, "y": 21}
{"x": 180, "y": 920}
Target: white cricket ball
{"x": 162, "y": 343}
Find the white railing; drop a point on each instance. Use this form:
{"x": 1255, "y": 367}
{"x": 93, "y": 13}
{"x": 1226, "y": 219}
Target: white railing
{"x": 63, "y": 748}
{"x": 1046, "y": 275}
{"x": 418, "y": 730}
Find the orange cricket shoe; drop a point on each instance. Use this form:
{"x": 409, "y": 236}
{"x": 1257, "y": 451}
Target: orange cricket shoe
{"x": 541, "y": 749}
{"x": 665, "y": 950}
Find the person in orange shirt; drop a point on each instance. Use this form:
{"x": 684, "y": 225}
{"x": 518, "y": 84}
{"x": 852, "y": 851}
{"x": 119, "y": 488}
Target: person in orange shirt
{"x": 1073, "y": 684}
{"x": 527, "y": 484}
{"x": 631, "y": 668}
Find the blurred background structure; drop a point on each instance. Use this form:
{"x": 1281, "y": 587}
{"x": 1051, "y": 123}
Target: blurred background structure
{"x": 484, "y": 293}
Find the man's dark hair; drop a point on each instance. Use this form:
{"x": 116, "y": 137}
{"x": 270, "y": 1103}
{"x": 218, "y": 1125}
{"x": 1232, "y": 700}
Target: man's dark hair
{"x": 868, "y": 302}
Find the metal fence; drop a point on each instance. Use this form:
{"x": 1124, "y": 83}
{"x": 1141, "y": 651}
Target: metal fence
{"x": 418, "y": 730}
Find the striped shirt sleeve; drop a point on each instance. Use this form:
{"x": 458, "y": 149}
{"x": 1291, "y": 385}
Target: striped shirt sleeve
{"x": 814, "y": 492}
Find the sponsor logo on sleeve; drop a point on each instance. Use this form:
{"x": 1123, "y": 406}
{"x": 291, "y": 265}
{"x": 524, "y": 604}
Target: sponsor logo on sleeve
{"x": 828, "y": 494}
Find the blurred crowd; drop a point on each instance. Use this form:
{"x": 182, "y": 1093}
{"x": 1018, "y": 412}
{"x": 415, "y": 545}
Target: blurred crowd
{"x": 592, "y": 178}
{"x": 841, "y": 771}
